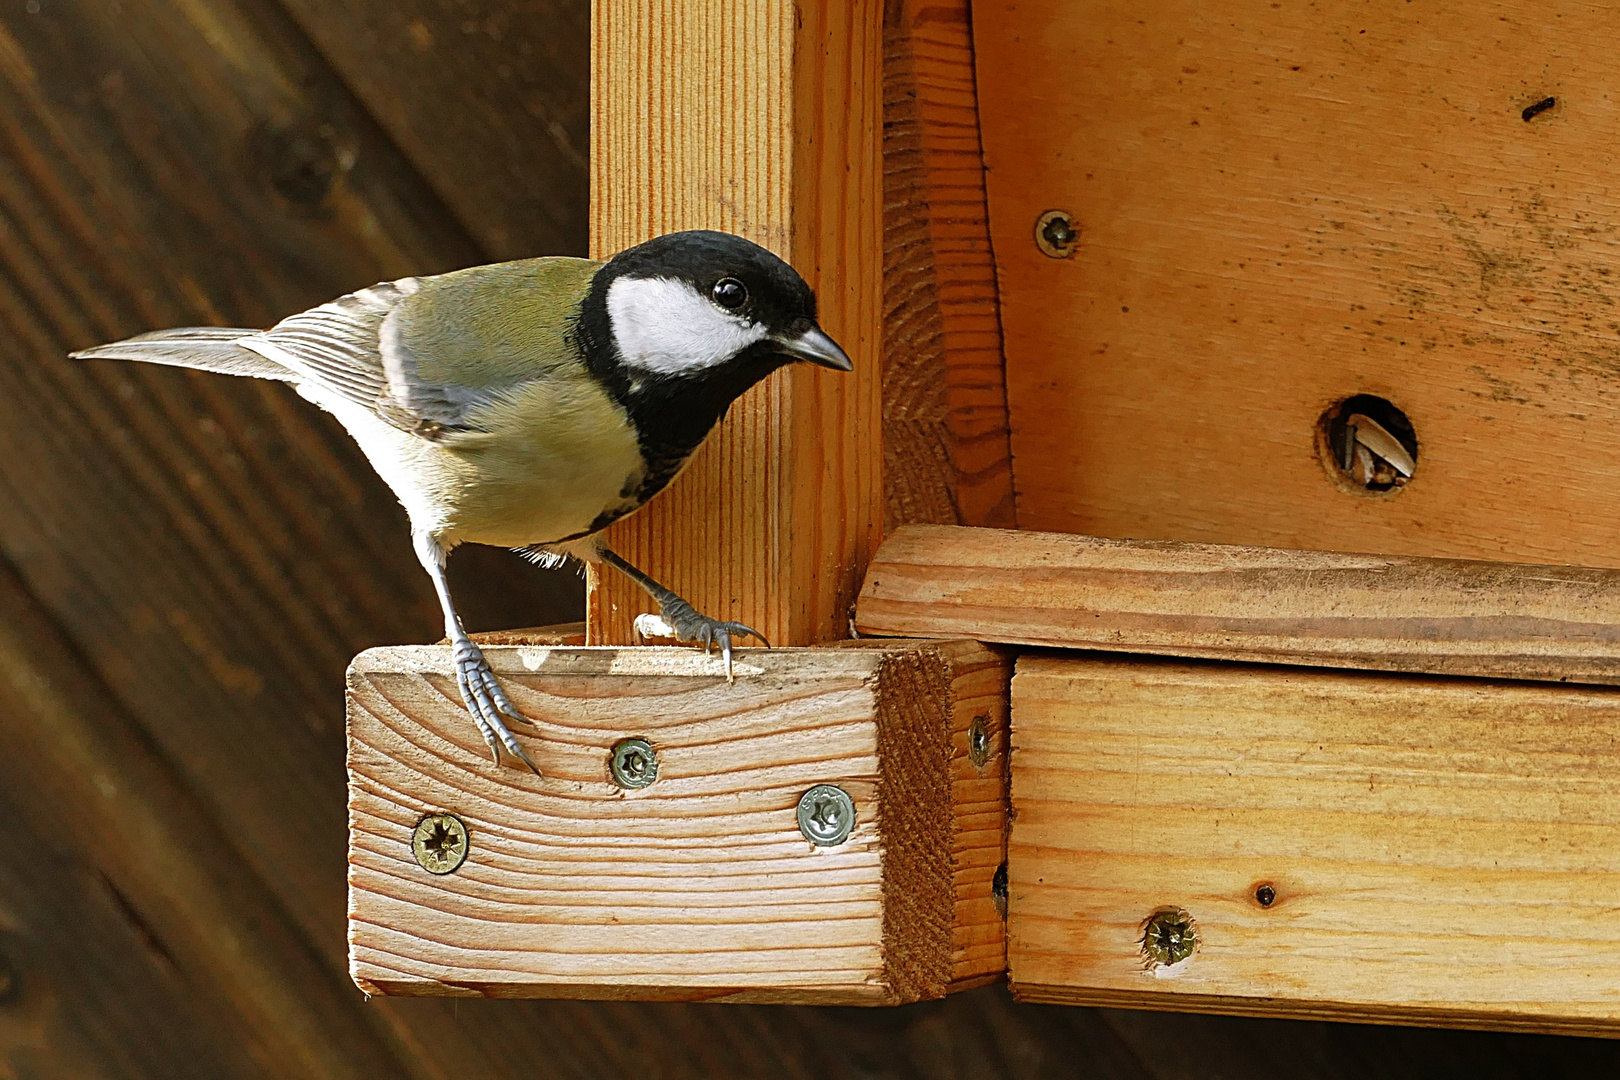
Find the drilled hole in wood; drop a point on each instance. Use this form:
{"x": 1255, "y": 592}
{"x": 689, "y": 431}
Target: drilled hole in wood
{"x": 1368, "y": 444}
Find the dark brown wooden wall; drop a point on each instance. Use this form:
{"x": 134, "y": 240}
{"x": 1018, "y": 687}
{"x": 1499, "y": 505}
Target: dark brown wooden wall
{"x": 187, "y": 563}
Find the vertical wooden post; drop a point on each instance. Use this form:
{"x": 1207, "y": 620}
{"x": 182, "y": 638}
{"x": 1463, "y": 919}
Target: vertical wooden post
{"x": 946, "y": 453}
{"x": 762, "y": 119}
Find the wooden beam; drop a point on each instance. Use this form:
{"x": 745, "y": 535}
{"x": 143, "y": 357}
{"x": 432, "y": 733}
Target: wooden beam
{"x": 1385, "y": 612}
{"x": 761, "y": 119}
{"x": 1278, "y": 207}
{"x": 701, "y": 885}
{"x": 1348, "y": 847}
{"x": 946, "y": 458}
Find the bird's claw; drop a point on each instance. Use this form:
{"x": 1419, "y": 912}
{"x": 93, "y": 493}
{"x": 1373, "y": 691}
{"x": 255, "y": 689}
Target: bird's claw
{"x": 487, "y": 702}
{"x": 691, "y": 625}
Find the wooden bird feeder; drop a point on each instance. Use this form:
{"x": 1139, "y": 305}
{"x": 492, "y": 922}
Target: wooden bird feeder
{"x": 1244, "y": 375}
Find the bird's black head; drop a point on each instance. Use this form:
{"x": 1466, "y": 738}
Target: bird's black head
{"x": 709, "y": 306}
{"x": 678, "y": 327}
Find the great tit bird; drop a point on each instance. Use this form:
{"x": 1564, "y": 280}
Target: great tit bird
{"x": 530, "y": 404}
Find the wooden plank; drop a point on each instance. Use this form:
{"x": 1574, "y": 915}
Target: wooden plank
{"x": 979, "y": 702}
{"x": 700, "y": 885}
{"x": 761, "y": 119}
{"x": 217, "y": 550}
{"x": 946, "y": 459}
{"x": 88, "y": 992}
{"x": 979, "y": 708}
{"x": 1438, "y": 851}
{"x": 484, "y": 99}
{"x": 562, "y": 634}
{"x": 220, "y": 949}
{"x": 1385, "y": 612}
{"x": 1280, "y": 206}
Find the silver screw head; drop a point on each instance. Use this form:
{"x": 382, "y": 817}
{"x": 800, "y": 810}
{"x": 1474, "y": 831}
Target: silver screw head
{"x": 633, "y": 763}
{"x": 439, "y": 843}
{"x": 826, "y": 815}
{"x": 979, "y": 742}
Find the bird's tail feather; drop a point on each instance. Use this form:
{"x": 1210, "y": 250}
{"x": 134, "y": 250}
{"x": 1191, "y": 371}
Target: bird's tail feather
{"x": 207, "y": 348}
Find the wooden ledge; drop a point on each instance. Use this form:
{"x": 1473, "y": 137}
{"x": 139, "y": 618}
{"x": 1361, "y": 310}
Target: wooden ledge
{"x": 1326, "y": 609}
{"x": 1344, "y": 846}
{"x": 701, "y": 885}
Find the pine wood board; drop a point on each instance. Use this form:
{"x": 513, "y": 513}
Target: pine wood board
{"x": 980, "y": 676}
{"x": 1441, "y": 851}
{"x": 484, "y": 99}
{"x": 945, "y": 452}
{"x": 761, "y": 119}
{"x": 1283, "y": 205}
{"x": 700, "y": 886}
{"x": 1326, "y": 609}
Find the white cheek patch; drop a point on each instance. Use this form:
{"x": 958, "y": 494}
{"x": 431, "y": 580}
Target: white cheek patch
{"x": 664, "y": 326}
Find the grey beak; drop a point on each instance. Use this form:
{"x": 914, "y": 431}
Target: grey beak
{"x": 817, "y": 348}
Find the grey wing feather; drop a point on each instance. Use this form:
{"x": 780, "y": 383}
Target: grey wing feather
{"x": 206, "y": 348}
{"x": 338, "y": 345}
{"x": 430, "y": 403}
{"x": 345, "y": 347}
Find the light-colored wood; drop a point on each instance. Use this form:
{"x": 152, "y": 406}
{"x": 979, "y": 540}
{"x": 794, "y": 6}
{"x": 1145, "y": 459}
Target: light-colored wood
{"x": 561, "y": 634}
{"x": 1440, "y": 851}
{"x": 1284, "y": 204}
{"x": 945, "y": 452}
{"x": 699, "y": 886}
{"x": 761, "y": 119}
{"x": 1385, "y": 612}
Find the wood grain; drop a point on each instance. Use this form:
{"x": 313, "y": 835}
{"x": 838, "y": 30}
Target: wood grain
{"x": 1440, "y": 851}
{"x": 1386, "y": 612}
{"x": 760, "y": 119}
{"x": 1283, "y": 205}
{"x": 979, "y": 680}
{"x": 945, "y": 453}
{"x": 699, "y": 886}
{"x": 218, "y": 947}
{"x": 484, "y": 99}
{"x": 214, "y": 549}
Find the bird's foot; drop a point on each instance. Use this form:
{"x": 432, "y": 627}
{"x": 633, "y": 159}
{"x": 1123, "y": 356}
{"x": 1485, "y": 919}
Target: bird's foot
{"x": 487, "y": 702}
{"x": 691, "y": 625}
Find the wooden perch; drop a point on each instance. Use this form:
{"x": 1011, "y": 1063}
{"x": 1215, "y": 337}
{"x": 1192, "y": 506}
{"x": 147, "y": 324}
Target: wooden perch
{"x": 700, "y": 885}
{"x": 1343, "y": 846}
{"x": 1326, "y": 609}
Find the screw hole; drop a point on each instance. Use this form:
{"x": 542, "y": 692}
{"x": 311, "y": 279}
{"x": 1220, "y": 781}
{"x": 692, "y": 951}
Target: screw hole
{"x": 1368, "y": 444}
{"x": 1265, "y": 895}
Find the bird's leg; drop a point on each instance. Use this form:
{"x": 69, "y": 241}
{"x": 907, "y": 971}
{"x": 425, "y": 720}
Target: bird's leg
{"x": 485, "y": 699}
{"x": 688, "y": 622}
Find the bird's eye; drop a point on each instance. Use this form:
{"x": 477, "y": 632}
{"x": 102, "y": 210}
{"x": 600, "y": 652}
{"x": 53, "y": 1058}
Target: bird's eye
{"x": 730, "y": 293}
